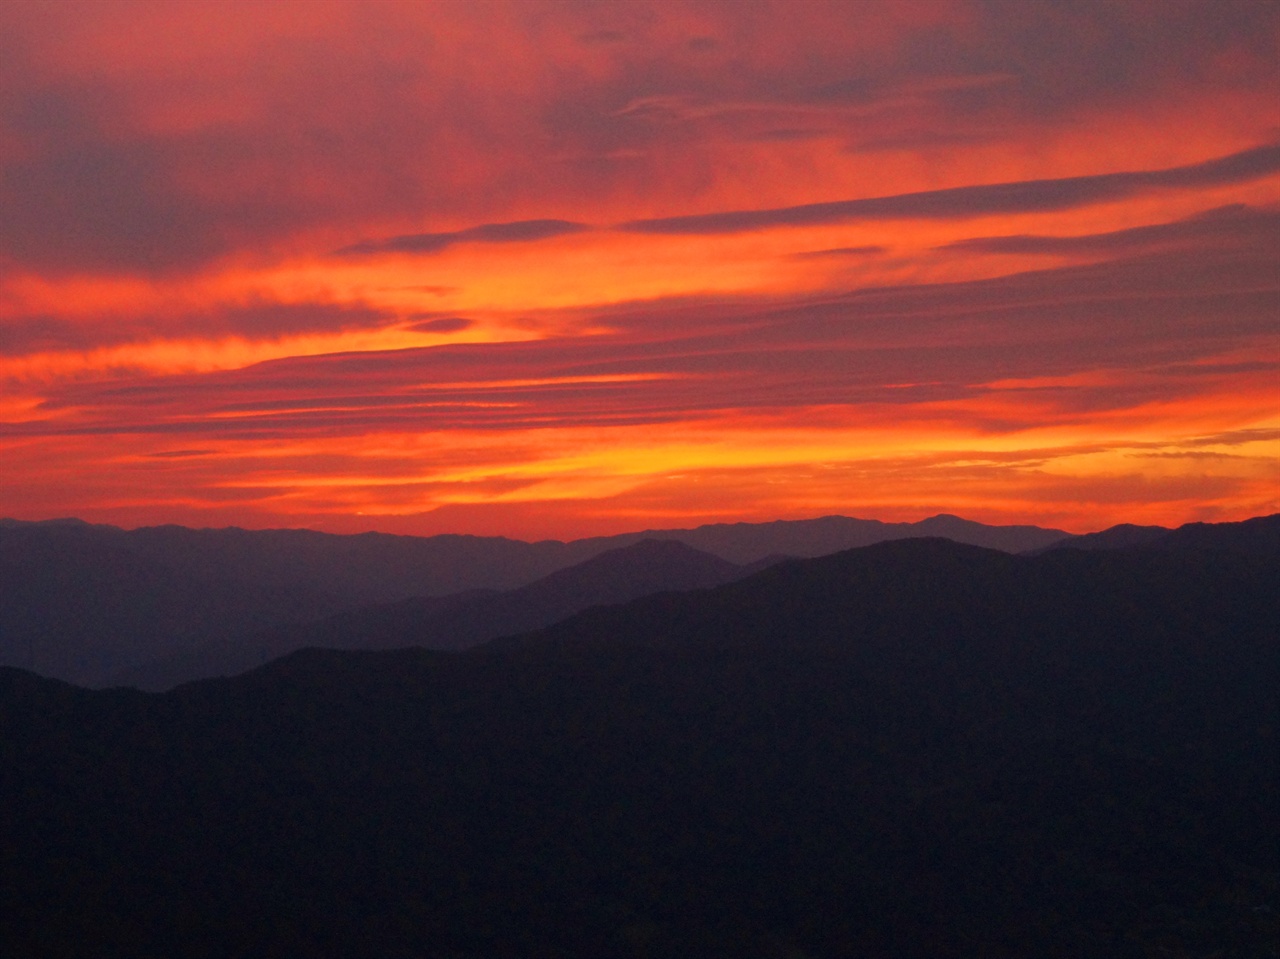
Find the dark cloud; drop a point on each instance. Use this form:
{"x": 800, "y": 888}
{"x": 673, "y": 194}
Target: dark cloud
{"x": 840, "y": 252}
{"x": 1226, "y": 226}
{"x": 521, "y": 231}
{"x": 315, "y": 123}
{"x": 1066, "y": 56}
{"x": 444, "y": 324}
{"x": 972, "y": 201}
{"x": 787, "y": 135}
{"x": 919, "y": 76}
{"x": 847, "y": 90}
{"x": 948, "y": 204}
{"x": 79, "y": 197}
{"x": 915, "y": 140}
{"x": 320, "y": 122}
{"x": 602, "y": 37}
{"x": 31, "y": 334}
{"x": 433, "y": 289}
{"x": 998, "y": 65}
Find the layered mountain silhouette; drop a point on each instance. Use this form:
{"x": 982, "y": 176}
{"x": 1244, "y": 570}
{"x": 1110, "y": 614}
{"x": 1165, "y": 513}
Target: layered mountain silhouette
{"x": 463, "y": 619}
{"x": 1115, "y": 537}
{"x": 750, "y": 542}
{"x": 913, "y": 748}
{"x": 1253, "y": 535}
{"x": 92, "y": 604}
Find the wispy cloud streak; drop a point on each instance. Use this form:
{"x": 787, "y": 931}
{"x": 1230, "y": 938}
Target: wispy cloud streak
{"x": 1029, "y": 196}
{"x": 1227, "y": 226}
{"x": 523, "y": 231}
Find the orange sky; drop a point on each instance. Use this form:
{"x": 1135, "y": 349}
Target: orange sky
{"x": 559, "y": 269}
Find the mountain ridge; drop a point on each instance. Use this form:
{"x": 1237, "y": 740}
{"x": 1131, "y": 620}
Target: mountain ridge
{"x": 91, "y": 602}
{"x": 460, "y": 620}
{"x": 913, "y": 748}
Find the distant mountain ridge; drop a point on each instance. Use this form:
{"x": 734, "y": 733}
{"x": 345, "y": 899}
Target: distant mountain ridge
{"x": 1114, "y": 537}
{"x": 915, "y": 748}
{"x": 88, "y": 603}
{"x": 153, "y": 607}
{"x": 463, "y": 619}
{"x": 1257, "y": 534}
{"x": 749, "y": 542}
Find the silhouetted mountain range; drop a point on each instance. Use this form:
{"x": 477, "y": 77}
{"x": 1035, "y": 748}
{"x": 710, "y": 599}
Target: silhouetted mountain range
{"x": 1251, "y": 535}
{"x": 1115, "y": 537}
{"x": 90, "y": 604}
{"x": 750, "y": 542}
{"x": 463, "y": 619}
{"x": 916, "y": 748}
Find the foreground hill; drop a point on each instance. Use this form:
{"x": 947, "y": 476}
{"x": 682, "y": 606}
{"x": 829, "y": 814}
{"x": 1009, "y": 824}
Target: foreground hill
{"x": 91, "y": 603}
{"x": 916, "y": 748}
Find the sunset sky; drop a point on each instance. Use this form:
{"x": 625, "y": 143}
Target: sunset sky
{"x": 567, "y": 268}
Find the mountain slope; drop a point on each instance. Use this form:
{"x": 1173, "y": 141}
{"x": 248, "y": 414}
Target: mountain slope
{"x": 916, "y": 748}
{"x": 750, "y": 542}
{"x": 78, "y": 604}
{"x": 461, "y": 620}
{"x": 1114, "y": 537}
{"x": 1257, "y": 535}
{"x": 90, "y": 603}
{"x": 83, "y": 603}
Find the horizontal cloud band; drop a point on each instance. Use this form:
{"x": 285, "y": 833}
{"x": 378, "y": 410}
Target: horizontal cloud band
{"x": 520, "y": 231}
{"x": 1027, "y": 196}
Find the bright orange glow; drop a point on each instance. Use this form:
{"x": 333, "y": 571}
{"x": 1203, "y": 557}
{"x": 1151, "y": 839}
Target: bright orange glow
{"x": 557, "y": 270}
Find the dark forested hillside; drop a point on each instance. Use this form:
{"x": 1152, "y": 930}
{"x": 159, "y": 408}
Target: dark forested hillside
{"x": 913, "y": 749}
